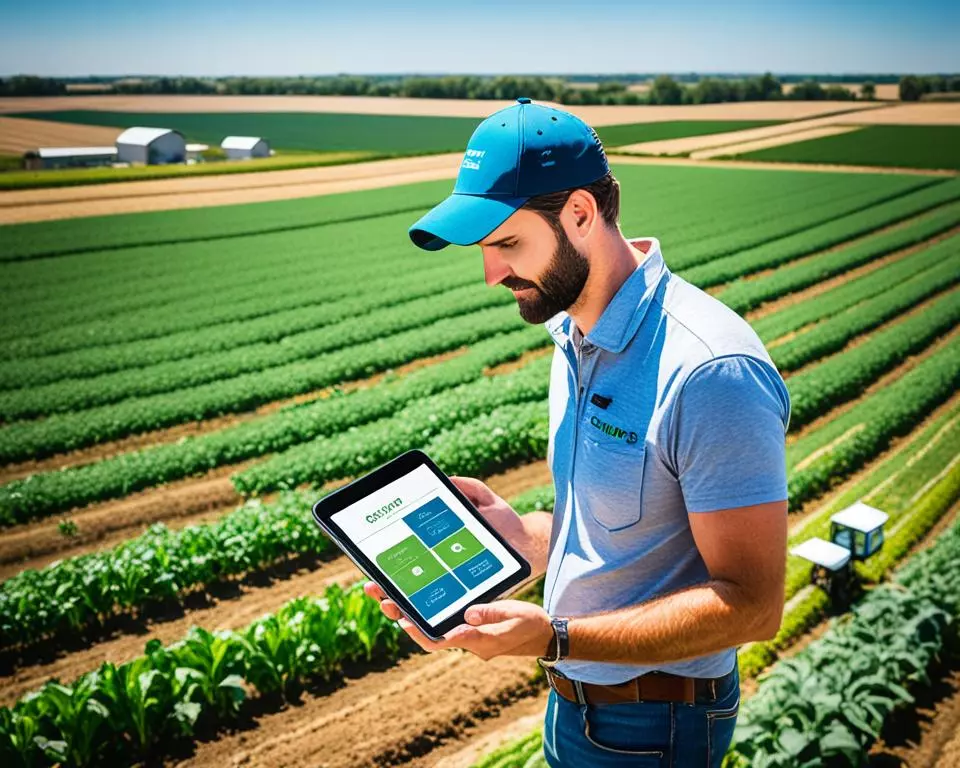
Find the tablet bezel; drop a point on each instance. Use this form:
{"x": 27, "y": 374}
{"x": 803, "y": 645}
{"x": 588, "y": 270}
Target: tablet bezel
{"x": 333, "y": 502}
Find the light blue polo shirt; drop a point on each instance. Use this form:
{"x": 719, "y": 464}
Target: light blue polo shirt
{"x": 669, "y": 406}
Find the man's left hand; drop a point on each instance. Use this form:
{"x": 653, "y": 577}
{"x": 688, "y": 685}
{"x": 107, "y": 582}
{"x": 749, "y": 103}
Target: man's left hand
{"x": 500, "y": 628}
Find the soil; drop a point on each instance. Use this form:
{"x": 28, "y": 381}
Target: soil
{"x": 774, "y": 141}
{"x": 18, "y": 134}
{"x": 393, "y": 716}
{"x": 228, "y": 189}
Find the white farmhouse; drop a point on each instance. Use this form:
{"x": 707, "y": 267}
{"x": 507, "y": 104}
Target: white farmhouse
{"x": 151, "y": 146}
{"x": 242, "y": 147}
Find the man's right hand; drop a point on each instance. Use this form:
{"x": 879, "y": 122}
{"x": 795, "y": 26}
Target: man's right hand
{"x": 504, "y": 520}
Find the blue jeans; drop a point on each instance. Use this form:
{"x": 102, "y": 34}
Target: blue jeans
{"x": 646, "y": 734}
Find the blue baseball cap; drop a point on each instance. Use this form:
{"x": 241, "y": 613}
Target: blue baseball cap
{"x": 519, "y": 152}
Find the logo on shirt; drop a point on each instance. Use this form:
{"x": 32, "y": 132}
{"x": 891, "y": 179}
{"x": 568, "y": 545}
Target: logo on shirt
{"x": 613, "y": 430}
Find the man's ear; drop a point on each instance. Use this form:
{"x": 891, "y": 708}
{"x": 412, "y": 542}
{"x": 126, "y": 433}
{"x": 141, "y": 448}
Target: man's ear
{"x": 583, "y": 211}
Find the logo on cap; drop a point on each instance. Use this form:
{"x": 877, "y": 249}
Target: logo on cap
{"x": 472, "y": 158}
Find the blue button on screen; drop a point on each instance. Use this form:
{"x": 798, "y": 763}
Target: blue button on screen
{"x": 433, "y": 522}
{"x": 437, "y": 595}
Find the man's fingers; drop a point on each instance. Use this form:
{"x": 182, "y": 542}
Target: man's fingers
{"x": 373, "y": 590}
{"x": 421, "y": 639}
{"x": 475, "y": 490}
{"x": 390, "y": 609}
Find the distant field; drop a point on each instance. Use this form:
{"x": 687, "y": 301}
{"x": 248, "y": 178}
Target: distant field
{"x": 898, "y": 146}
{"x": 328, "y": 132}
{"x": 331, "y": 132}
{"x": 620, "y": 135}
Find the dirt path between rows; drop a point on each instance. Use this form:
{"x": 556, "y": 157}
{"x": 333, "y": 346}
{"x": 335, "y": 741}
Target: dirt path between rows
{"x": 388, "y": 717}
{"x": 230, "y": 605}
{"x": 192, "y": 500}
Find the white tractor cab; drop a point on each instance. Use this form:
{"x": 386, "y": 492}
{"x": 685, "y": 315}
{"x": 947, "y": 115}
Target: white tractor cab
{"x": 856, "y": 533}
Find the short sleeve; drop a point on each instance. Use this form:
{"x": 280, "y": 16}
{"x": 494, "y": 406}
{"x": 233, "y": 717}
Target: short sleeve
{"x": 728, "y": 436}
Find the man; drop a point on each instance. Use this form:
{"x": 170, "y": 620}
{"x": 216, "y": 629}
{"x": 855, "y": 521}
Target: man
{"x": 666, "y": 548}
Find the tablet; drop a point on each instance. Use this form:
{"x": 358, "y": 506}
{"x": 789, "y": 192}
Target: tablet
{"x": 413, "y": 532}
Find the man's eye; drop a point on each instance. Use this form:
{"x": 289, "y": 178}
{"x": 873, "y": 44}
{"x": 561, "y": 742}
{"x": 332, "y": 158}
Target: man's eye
{"x": 508, "y": 245}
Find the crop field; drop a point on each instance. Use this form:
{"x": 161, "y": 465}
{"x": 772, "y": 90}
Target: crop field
{"x": 178, "y": 388}
{"x": 332, "y": 132}
{"x": 899, "y": 146}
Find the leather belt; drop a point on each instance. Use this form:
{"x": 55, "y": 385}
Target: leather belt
{"x": 652, "y": 686}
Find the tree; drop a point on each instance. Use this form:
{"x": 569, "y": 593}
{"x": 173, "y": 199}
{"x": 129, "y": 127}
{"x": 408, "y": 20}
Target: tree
{"x": 911, "y": 89}
{"x": 868, "y": 91}
{"x": 666, "y": 90}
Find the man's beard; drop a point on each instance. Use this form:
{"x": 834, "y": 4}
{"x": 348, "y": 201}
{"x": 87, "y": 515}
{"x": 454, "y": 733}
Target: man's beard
{"x": 560, "y": 286}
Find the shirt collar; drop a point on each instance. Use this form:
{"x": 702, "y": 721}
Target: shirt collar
{"x": 620, "y": 319}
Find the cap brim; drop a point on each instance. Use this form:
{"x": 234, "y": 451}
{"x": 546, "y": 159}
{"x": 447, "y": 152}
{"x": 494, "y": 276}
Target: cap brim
{"x": 462, "y": 220}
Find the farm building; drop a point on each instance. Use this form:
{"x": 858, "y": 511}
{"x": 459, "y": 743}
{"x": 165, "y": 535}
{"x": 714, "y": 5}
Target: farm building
{"x": 241, "y": 147}
{"x": 151, "y": 146}
{"x": 69, "y": 157}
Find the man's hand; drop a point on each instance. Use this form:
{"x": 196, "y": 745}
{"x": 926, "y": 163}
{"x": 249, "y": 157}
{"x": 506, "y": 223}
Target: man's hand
{"x": 500, "y": 628}
{"x": 500, "y": 515}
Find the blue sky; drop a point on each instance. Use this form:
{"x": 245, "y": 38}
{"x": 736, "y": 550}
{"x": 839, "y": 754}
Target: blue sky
{"x": 290, "y": 37}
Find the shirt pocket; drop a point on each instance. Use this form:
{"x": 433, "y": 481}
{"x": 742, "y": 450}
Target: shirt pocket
{"x": 609, "y": 480}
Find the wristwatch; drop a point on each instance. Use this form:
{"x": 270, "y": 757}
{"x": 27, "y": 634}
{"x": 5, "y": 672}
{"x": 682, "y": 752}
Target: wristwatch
{"x": 559, "y": 647}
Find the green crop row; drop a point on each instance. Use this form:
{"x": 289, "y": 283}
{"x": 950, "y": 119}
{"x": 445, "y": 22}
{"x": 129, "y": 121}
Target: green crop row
{"x": 777, "y": 252}
{"x": 344, "y": 349}
{"x": 826, "y": 337}
{"x": 828, "y": 703}
{"x": 743, "y": 295}
{"x": 173, "y": 277}
{"x": 358, "y": 450}
{"x": 105, "y": 314}
{"x": 777, "y": 324}
{"x": 817, "y": 389}
{"x": 783, "y": 222}
{"x": 45, "y": 493}
{"x": 819, "y": 460}
{"x": 331, "y": 313}
{"x": 121, "y": 713}
{"x": 247, "y": 391}
{"x": 74, "y": 594}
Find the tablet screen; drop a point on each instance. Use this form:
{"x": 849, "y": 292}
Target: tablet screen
{"x": 427, "y": 543}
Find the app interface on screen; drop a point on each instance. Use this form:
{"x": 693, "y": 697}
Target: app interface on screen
{"x": 427, "y": 543}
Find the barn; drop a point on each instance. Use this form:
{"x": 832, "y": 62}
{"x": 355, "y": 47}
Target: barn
{"x": 242, "y": 147}
{"x": 151, "y": 146}
{"x": 69, "y": 157}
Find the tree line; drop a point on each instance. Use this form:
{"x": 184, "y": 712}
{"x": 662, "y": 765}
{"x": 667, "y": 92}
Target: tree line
{"x": 664, "y": 89}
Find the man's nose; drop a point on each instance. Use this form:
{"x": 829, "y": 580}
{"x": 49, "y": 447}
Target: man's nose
{"x": 494, "y": 268}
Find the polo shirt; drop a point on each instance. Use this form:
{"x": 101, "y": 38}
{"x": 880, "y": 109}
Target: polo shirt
{"x": 669, "y": 406}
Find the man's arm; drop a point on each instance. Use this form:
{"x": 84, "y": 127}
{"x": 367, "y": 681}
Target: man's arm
{"x": 725, "y": 441}
{"x": 744, "y": 549}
